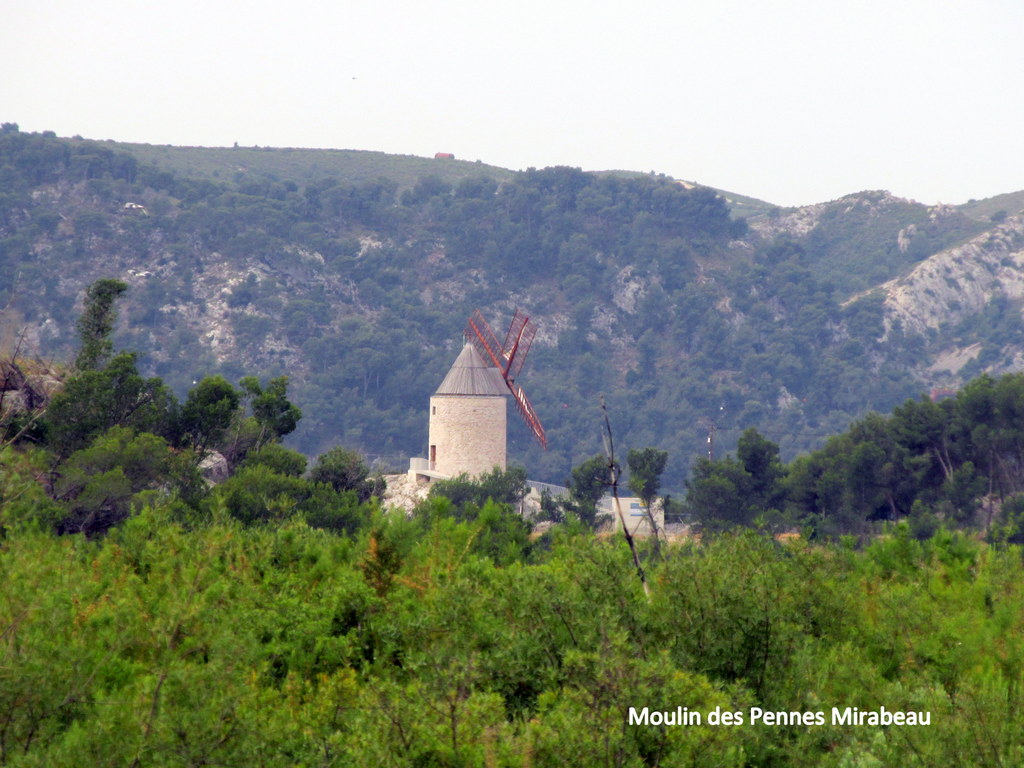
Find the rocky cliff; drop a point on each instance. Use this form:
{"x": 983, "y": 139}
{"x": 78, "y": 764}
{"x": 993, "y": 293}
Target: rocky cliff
{"x": 958, "y": 282}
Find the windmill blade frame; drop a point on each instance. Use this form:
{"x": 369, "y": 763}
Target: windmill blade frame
{"x": 529, "y": 415}
{"x": 478, "y": 332}
{"x": 521, "y": 349}
{"x": 509, "y": 359}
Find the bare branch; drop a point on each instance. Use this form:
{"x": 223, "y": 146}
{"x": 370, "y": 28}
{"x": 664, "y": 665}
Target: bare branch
{"x": 613, "y": 476}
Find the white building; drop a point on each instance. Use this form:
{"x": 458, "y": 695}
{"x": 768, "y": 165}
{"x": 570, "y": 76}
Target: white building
{"x": 634, "y": 513}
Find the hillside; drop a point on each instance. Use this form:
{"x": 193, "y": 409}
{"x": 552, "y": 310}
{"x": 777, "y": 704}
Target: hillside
{"x": 998, "y": 206}
{"x": 354, "y": 273}
{"x": 958, "y": 283}
{"x": 246, "y": 165}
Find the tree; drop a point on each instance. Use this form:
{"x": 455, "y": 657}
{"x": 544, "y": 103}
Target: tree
{"x": 96, "y": 400}
{"x": 257, "y": 494}
{"x": 276, "y": 416}
{"x": 99, "y": 482}
{"x": 760, "y": 459}
{"x": 282, "y": 460}
{"x": 97, "y": 323}
{"x": 504, "y": 486}
{"x": 208, "y": 411}
{"x": 344, "y": 470}
{"x": 645, "y": 468}
{"x": 586, "y": 487}
{"x": 715, "y": 494}
{"x": 23, "y": 500}
{"x": 737, "y": 490}
{"x": 503, "y": 535}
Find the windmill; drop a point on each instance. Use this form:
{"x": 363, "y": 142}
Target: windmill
{"x": 508, "y": 358}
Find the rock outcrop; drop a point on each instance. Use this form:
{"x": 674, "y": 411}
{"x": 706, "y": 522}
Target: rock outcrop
{"x": 958, "y": 282}
{"x": 21, "y": 391}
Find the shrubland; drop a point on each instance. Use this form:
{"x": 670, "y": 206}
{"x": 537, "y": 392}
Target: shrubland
{"x": 282, "y": 617}
{"x": 414, "y": 641}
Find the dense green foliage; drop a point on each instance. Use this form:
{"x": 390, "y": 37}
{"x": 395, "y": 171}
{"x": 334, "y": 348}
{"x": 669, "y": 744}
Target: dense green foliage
{"x": 113, "y": 442}
{"x": 95, "y": 400}
{"x": 959, "y": 461}
{"x": 344, "y": 470}
{"x": 245, "y": 164}
{"x": 645, "y": 468}
{"x": 503, "y": 486}
{"x": 855, "y": 246}
{"x": 407, "y": 644}
{"x": 97, "y": 323}
{"x": 357, "y": 287}
{"x": 281, "y": 618}
{"x": 589, "y": 481}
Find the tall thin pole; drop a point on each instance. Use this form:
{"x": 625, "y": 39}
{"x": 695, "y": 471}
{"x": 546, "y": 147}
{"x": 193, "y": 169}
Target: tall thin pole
{"x": 613, "y": 476}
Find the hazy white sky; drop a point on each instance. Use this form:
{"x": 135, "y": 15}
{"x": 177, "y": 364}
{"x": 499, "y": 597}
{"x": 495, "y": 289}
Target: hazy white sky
{"x": 792, "y": 101}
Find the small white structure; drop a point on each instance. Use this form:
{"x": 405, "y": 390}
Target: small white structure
{"x": 635, "y": 514}
{"x": 468, "y": 421}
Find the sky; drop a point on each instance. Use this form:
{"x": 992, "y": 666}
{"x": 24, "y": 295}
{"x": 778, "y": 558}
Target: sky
{"x": 790, "y": 101}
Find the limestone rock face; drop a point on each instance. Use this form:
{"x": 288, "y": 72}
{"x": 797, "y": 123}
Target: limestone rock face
{"x": 11, "y": 377}
{"x": 958, "y": 282}
{"x": 214, "y": 468}
{"x": 39, "y": 389}
{"x": 25, "y": 392}
{"x": 403, "y": 492}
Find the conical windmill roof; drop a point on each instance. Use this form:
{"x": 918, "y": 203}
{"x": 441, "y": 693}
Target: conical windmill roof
{"x": 470, "y": 375}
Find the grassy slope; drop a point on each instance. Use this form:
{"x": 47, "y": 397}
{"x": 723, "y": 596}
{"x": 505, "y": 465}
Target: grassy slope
{"x": 302, "y": 165}
{"x": 745, "y": 207}
{"x": 982, "y": 210}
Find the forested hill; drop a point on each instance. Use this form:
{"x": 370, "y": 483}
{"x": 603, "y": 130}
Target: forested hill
{"x": 356, "y": 282}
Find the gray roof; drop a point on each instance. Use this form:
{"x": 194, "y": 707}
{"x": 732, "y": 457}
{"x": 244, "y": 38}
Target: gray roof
{"x": 470, "y": 375}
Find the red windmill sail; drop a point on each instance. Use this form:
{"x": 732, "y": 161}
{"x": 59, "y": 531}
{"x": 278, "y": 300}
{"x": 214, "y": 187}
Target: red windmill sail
{"x": 517, "y": 344}
{"x": 480, "y": 335}
{"x": 509, "y": 359}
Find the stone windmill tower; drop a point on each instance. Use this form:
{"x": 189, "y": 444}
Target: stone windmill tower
{"x": 468, "y": 411}
{"x": 467, "y": 418}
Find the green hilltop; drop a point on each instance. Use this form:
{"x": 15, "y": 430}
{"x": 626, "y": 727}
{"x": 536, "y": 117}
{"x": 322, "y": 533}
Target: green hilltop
{"x": 236, "y": 164}
{"x": 1005, "y": 204}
